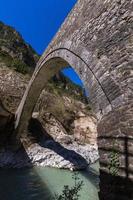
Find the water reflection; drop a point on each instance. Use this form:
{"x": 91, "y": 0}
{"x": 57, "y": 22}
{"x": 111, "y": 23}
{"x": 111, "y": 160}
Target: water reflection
{"x": 22, "y": 184}
{"x": 42, "y": 183}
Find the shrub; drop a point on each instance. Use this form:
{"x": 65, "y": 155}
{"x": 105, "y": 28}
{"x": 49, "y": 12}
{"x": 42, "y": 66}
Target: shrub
{"x": 71, "y": 193}
{"x": 113, "y": 162}
{"x": 5, "y": 58}
{"x": 20, "y": 66}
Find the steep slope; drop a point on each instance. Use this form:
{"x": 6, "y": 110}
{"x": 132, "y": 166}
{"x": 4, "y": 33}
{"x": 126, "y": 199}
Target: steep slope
{"x": 15, "y": 51}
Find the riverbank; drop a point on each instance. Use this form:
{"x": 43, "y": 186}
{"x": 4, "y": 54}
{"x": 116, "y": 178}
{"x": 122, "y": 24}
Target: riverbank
{"x": 51, "y": 153}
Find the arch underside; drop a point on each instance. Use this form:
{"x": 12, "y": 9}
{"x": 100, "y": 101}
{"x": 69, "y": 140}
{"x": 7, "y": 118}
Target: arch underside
{"x": 49, "y": 66}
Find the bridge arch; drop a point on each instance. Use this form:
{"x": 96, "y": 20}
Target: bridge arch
{"x": 109, "y": 111}
{"x": 47, "y": 67}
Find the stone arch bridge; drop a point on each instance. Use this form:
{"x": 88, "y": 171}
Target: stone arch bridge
{"x": 96, "y": 39}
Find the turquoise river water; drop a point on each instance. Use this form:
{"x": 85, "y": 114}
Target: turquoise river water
{"x": 41, "y": 183}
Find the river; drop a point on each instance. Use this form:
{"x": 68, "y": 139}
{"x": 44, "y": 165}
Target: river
{"x": 40, "y": 183}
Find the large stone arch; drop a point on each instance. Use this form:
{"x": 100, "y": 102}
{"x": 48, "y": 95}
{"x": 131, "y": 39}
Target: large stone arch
{"x": 96, "y": 39}
{"x": 50, "y": 65}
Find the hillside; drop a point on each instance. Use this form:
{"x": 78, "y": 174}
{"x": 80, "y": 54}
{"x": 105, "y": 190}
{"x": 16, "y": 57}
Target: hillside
{"x": 62, "y": 107}
{"x": 14, "y": 51}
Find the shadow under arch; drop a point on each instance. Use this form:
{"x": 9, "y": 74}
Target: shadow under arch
{"x": 46, "y": 68}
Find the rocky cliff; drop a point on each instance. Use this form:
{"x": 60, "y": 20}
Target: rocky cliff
{"x": 15, "y": 51}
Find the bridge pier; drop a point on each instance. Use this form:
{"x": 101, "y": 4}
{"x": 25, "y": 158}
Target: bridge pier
{"x": 115, "y": 142}
{"x": 115, "y": 187}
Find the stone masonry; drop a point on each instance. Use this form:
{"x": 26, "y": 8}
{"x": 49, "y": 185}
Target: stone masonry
{"x": 96, "y": 39}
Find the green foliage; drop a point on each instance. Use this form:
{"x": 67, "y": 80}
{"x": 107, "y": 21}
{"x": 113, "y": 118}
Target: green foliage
{"x": 113, "y": 162}
{"x": 64, "y": 86}
{"x": 12, "y": 42}
{"x": 71, "y": 193}
{"x": 20, "y": 66}
{"x": 5, "y": 58}
{"x": 17, "y": 64}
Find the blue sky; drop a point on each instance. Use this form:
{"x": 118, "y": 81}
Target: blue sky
{"x": 37, "y": 21}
